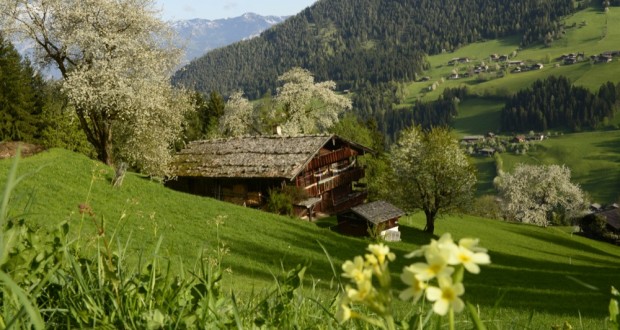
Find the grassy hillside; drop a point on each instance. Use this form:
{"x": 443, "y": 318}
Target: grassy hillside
{"x": 601, "y": 32}
{"x": 593, "y": 157}
{"x": 535, "y": 270}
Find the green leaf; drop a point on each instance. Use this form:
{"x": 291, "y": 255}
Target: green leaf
{"x": 613, "y": 311}
{"x": 475, "y": 318}
{"x": 31, "y": 310}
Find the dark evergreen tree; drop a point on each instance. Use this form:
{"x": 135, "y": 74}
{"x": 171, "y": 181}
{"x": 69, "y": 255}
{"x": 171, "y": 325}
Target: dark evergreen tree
{"x": 19, "y": 106}
{"x": 554, "y": 103}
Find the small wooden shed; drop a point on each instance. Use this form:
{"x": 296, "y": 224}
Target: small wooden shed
{"x": 379, "y": 217}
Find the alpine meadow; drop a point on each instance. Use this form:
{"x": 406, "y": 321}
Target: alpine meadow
{"x": 368, "y": 164}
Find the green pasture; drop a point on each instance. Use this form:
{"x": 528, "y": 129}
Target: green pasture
{"x": 478, "y": 116}
{"x": 539, "y": 276}
{"x": 601, "y": 32}
{"x": 593, "y": 157}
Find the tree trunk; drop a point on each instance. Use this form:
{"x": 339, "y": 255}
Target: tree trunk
{"x": 99, "y": 133}
{"x": 430, "y": 221}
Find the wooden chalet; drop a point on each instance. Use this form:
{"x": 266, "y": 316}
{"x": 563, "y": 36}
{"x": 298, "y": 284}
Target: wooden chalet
{"x": 379, "y": 217}
{"x": 242, "y": 170}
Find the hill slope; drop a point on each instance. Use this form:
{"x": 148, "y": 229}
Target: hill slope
{"x": 385, "y": 41}
{"x": 533, "y": 268}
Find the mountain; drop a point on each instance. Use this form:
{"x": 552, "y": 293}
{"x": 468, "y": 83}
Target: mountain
{"x": 369, "y": 41}
{"x": 198, "y": 36}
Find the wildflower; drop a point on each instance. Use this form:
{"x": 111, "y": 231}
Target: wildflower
{"x": 471, "y": 244}
{"x": 442, "y": 246}
{"x": 355, "y": 270}
{"x": 436, "y": 266}
{"x": 469, "y": 259}
{"x": 381, "y": 252}
{"x": 364, "y": 290}
{"x": 343, "y": 313}
{"x": 446, "y": 296}
{"x": 416, "y": 287}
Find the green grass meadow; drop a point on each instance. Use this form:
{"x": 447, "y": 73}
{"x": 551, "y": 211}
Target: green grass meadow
{"x": 538, "y": 277}
{"x": 600, "y": 33}
{"x": 593, "y": 157}
{"x": 478, "y": 116}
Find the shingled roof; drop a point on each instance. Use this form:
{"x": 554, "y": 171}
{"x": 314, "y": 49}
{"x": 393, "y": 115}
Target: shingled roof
{"x": 613, "y": 217}
{"x": 251, "y": 156}
{"x": 378, "y": 211}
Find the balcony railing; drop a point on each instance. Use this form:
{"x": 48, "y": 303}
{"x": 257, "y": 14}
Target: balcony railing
{"x": 331, "y": 182}
{"x": 330, "y": 158}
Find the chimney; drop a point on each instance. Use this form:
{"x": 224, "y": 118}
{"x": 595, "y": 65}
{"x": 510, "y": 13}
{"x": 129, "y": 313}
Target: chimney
{"x": 277, "y": 130}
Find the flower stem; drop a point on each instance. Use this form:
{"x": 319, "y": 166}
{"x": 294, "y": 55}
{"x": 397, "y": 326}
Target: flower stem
{"x": 451, "y": 318}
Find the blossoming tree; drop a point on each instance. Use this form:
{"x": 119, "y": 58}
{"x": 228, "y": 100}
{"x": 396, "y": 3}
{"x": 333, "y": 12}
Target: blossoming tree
{"x": 431, "y": 173}
{"x": 300, "y": 106}
{"x": 540, "y": 195}
{"x": 115, "y": 58}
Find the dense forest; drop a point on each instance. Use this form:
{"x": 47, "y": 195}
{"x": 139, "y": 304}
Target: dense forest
{"x": 386, "y": 41}
{"x": 555, "y": 103}
{"x": 20, "y": 96}
{"x": 32, "y": 109}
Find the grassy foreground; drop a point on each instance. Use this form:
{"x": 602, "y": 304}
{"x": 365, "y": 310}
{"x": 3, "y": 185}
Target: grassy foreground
{"x": 538, "y": 276}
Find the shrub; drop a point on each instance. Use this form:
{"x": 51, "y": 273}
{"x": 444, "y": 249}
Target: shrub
{"x": 281, "y": 201}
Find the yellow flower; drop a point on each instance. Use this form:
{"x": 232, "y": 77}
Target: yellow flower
{"x": 364, "y": 290}
{"x": 416, "y": 287}
{"x": 469, "y": 259}
{"x": 471, "y": 244}
{"x": 355, "y": 270}
{"x": 343, "y": 313}
{"x": 381, "y": 252}
{"x": 436, "y": 266}
{"x": 446, "y": 296}
{"x": 442, "y": 246}
{"x": 469, "y": 255}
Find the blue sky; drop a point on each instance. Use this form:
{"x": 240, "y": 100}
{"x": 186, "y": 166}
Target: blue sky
{"x": 214, "y": 9}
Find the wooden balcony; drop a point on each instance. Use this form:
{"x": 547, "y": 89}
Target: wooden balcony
{"x": 330, "y": 158}
{"x": 329, "y": 183}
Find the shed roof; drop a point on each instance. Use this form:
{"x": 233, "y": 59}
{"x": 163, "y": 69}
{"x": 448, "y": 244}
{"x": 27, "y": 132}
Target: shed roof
{"x": 613, "y": 217}
{"x": 271, "y": 156}
{"x": 378, "y": 211}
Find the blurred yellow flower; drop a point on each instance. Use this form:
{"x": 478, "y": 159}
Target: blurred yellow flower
{"x": 343, "y": 313}
{"x": 364, "y": 290}
{"x": 446, "y": 296}
{"x": 470, "y": 260}
{"x": 355, "y": 270}
{"x": 436, "y": 266}
{"x": 416, "y": 287}
{"x": 381, "y": 252}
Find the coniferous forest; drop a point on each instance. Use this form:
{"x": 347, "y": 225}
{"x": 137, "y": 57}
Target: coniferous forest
{"x": 386, "y": 41}
{"x": 554, "y": 103}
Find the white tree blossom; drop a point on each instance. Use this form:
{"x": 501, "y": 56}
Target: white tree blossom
{"x": 540, "y": 195}
{"x": 300, "y": 106}
{"x": 239, "y": 116}
{"x": 305, "y": 107}
{"x": 431, "y": 173}
{"x": 116, "y": 58}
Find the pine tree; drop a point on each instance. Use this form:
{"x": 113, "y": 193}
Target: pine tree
{"x": 17, "y": 96}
